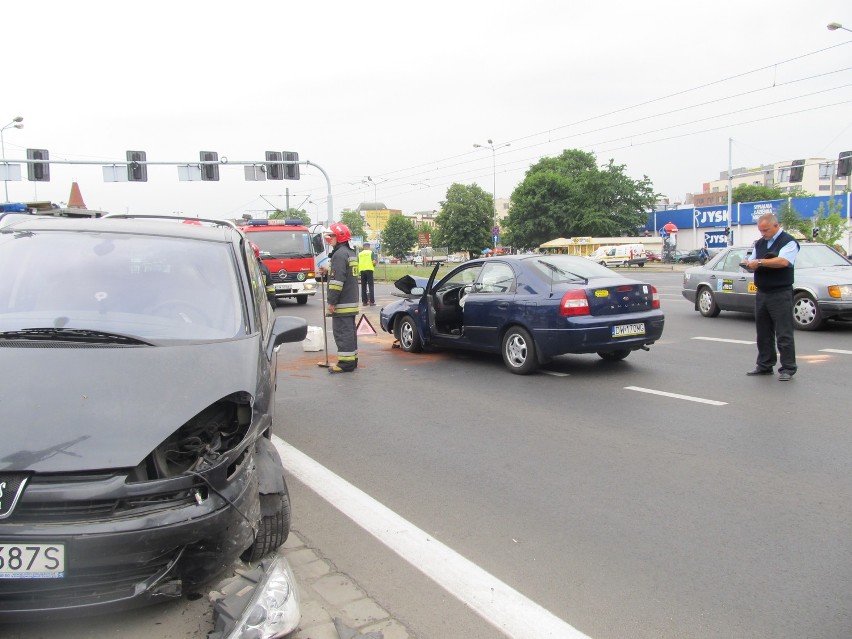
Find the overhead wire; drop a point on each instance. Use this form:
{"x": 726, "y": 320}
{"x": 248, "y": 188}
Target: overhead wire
{"x": 442, "y": 163}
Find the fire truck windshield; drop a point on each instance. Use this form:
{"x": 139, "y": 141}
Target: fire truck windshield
{"x": 282, "y": 244}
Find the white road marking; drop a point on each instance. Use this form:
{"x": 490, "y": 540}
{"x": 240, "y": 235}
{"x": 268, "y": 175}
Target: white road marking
{"x": 555, "y": 373}
{"x": 688, "y": 398}
{"x": 493, "y": 600}
{"x": 729, "y": 341}
{"x": 835, "y": 350}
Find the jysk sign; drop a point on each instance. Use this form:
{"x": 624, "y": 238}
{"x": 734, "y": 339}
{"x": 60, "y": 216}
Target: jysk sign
{"x": 715, "y": 239}
{"x": 711, "y": 216}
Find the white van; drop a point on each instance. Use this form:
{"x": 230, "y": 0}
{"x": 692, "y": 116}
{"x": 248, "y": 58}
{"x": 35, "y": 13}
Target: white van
{"x": 620, "y": 255}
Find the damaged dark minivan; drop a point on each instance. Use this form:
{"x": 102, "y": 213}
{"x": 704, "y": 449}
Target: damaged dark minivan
{"x": 138, "y": 358}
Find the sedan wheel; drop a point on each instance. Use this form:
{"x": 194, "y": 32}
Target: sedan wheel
{"x": 409, "y": 339}
{"x": 707, "y": 304}
{"x": 806, "y": 313}
{"x": 519, "y": 351}
{"x": 614, "y": 356}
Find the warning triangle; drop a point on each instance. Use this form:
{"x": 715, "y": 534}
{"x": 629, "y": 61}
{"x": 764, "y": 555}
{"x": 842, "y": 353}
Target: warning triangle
{"x": 364, "y": 327}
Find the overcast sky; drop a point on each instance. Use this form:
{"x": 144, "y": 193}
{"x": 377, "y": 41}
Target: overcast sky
{"x": 401, "y": 91}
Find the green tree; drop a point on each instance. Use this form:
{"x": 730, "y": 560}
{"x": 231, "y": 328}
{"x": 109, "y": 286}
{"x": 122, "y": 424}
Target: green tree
{"x": 354, "y": 221}
{"x": 828, "y": 222}
{"x": 465, "y": 220}
{"x": 399, "y": 236}
{"x": 570, "y": 195}
{"x": 292, "y": 214}
{"x": 755, "y": 193}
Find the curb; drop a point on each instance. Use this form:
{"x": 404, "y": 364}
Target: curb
{"x": 329, "y": 598}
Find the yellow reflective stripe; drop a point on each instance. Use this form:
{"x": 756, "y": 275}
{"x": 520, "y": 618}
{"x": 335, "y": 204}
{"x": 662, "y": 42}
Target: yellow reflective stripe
{"x": 345, "y": 311}
{"x": 335, "y": 282}
{"x": 335, "y": 287}
{"x": 347, "y": 358}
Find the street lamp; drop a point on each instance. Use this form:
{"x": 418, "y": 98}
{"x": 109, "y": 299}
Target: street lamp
{"x": 493, "y": 148}
{"x": 15, "y": 124}
{"x": 834, "y": 26}
{"x": 316, "y": 209}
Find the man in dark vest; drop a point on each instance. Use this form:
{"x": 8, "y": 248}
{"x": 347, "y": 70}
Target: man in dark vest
{"x": 772, "y": 264}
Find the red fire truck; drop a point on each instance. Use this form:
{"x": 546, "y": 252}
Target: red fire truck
{"x": 289, "y": 249}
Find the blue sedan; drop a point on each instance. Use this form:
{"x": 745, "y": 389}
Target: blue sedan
{"x": 529, "y": 308}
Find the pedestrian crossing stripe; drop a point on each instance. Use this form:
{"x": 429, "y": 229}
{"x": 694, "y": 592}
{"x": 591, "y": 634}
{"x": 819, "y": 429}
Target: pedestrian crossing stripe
{"x": 364, "y": 327}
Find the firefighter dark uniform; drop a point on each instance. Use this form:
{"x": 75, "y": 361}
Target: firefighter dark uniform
{"x": 343, "y": 299}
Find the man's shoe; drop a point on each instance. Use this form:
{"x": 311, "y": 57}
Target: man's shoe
{"x": 760, "y": 371}
{"x": 784, "y": 376}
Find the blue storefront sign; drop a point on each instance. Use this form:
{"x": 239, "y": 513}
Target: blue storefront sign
{"x": 715, "y": 239}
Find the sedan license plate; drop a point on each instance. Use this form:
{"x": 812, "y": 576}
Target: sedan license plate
{"x": 32, "y": 561}
{"x": 628, "y": 330}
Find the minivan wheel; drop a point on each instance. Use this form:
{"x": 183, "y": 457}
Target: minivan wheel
{"x": 519, "y": 351}
{"x": 409, "y": 339}
{"x": 273, "y": 528}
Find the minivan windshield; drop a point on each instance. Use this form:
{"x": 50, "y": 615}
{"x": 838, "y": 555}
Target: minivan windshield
{"x": 148, "y": 287}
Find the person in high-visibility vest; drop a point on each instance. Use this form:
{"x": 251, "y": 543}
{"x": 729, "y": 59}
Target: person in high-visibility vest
{"x": 366, "y": 266}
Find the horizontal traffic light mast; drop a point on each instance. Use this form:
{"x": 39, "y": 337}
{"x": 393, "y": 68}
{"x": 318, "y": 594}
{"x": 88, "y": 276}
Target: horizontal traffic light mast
{"x": 277, "y": 166}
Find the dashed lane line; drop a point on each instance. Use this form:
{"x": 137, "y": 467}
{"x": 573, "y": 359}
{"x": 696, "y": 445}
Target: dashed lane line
{"x": 688, "y": 398}
{"x": 729, "y": 341}
{"x": 835, "y": 350}
{"x": 496, "y": 602}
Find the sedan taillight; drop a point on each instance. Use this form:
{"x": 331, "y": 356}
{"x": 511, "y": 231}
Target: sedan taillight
{"x": 655, "y": 297}
{"x": 574, "y": 303}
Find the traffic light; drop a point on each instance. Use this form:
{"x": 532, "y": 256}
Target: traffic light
{"x": 274, "y": 171}
{"x": 844, "y": 164}
{"x": 38, "y": 172}
{"x": 209, "y": 172}
{"x": 291, "y": 171}
{"x": 814, "y": 232}
{"x": 137, "y": 171}
{"x": 797, "y": 170}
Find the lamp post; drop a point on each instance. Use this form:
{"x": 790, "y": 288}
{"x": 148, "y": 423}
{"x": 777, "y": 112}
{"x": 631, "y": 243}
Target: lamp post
{"x": 15, "y": 124}
{"x": 493, "y": 148}
{"x": 368, "y": 181}
{"x": 834, "y": 26}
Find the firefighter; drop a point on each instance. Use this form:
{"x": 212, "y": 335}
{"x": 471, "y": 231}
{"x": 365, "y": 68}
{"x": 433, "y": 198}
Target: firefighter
{"x": 343, "y": 297}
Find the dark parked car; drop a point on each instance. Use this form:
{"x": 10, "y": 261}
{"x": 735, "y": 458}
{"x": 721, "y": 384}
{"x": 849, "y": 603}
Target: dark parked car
{"x": 697, "y": 256}
{"x": 530, "y": 308}
{"x": 822, "y": 289}
{"x": 138, "y": 360}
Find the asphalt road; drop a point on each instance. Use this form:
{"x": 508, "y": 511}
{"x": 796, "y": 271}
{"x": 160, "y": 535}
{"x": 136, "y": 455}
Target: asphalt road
{"x": 718, "y": 509}
{"x": 667, "y": 495}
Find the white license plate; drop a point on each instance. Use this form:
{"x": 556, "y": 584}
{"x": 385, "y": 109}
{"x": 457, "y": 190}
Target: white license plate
{"x": 282, "y": 287}
{"x": 32, "y": 561}
{"x": 628, "y": 330}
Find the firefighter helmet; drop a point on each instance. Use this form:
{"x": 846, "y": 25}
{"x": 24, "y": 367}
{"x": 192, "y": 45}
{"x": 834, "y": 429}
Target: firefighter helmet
{"x": 340, "y": 231}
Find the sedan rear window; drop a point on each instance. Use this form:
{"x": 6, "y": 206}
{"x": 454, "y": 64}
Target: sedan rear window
{"x": 151, "y": 287}
{"x": 567, "y": 268}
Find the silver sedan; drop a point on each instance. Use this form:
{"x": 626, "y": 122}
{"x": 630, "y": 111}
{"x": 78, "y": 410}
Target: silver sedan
{"x": 822, "y": 289}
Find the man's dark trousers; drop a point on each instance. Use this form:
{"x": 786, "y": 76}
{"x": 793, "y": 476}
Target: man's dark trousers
{"x": 773, "y": 311}
{"x": 368, "y": 293}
